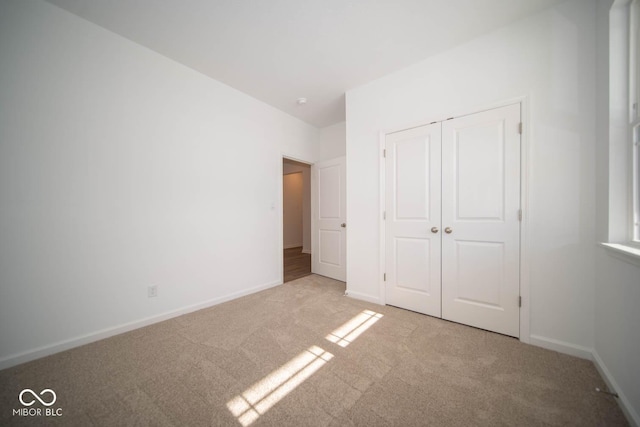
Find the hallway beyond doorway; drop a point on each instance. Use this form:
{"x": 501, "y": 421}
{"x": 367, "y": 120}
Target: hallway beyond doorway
{"x": 296, "y": 264}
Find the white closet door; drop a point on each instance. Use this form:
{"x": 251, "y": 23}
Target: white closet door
{"x": 412, "y": 211}
{"x": 328, "y": 218}
{"x": 480, "y": 207}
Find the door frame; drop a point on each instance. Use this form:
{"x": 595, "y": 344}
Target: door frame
{"x": 525, "y": 172}
{"x": 280, "y": 209}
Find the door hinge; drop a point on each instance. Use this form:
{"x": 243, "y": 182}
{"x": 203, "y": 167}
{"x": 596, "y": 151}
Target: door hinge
{"x": 384, "y": 277}
{"x": 519, "y": 214}
{"x": 519, "y": 301}
{"x": 384, "y": 153}
{"x": 384, "y": 215}
{"x": 520, "y": 128}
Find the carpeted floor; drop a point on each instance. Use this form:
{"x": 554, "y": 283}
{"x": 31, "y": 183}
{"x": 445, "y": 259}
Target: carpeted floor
{"x": 301, "y": 354}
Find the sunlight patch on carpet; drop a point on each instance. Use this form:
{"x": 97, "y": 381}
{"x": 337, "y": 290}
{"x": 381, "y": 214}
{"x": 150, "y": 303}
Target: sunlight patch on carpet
{"x": 261, "y": 396}
{"x": 347, "y": 333}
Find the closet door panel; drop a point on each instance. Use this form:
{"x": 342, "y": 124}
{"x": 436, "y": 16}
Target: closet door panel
{"x": 480, "y": 206}
{"x": 412, "y": 196}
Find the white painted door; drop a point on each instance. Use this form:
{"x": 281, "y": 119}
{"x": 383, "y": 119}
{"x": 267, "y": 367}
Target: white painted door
{"x": 412, "y": 238}
{"x": 328, "y": 218}
{"x": 480, "y": 208}
{"x": 452, "y": 228}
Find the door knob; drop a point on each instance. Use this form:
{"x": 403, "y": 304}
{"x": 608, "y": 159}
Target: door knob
{"x": 434, "y": 229}
{"x": 343, "y": 225}
{"x": 448, "y": 230}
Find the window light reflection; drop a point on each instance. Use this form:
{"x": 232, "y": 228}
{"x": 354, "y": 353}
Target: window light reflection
{"x": 261, "y": 396}
{"x": 347, "y": 333}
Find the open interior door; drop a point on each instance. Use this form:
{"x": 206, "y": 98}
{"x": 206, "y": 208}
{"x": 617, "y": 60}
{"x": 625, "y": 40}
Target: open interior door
{"x": 328, "y": 218}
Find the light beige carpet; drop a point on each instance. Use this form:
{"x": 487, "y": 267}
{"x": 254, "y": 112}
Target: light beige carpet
{"x": 302, "y": 354}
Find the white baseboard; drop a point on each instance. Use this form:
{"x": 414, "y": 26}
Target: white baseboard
{"x": 590, "y": 354}
{"x": 623, "y": 401}
{"x": 363, "y": 297}
{"x": 561, "y": 346}
{"x": 37, "y": 353}
{"x": 306, "y": 251}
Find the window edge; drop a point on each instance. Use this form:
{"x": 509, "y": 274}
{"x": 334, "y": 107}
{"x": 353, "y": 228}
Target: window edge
{"x": 623, "y": 251}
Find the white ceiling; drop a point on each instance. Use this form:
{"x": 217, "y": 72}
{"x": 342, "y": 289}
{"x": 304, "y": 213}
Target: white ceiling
{"x": 280, "y": 50}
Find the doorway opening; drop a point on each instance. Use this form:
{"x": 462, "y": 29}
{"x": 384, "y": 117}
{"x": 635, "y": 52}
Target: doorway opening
{"x": 296, "y": 219}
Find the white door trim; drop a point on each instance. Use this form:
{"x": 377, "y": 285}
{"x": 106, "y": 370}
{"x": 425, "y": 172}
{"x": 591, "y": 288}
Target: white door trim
{"x": 525, "y": 171}
{"x": 525, "y": 155}
{"x": 382, "y": 231}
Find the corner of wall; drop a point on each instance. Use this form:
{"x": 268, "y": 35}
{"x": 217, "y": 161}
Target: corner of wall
{"x": 561, "y": 346}
{"x": 612, "y": 385}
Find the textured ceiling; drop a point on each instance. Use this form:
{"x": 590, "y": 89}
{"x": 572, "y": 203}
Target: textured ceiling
{"x": 280, "y": 50}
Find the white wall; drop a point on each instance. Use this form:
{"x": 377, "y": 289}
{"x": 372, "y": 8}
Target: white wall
{"x": 333, "y": 141}
{"x": 294, "y": 167}
{"x": 549, "y": 59}
{"x": 292, "y": 191}
{"x": 617, "y": 336}
{"x": 617, "y": 284}
{"x": 118, "y": 170}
